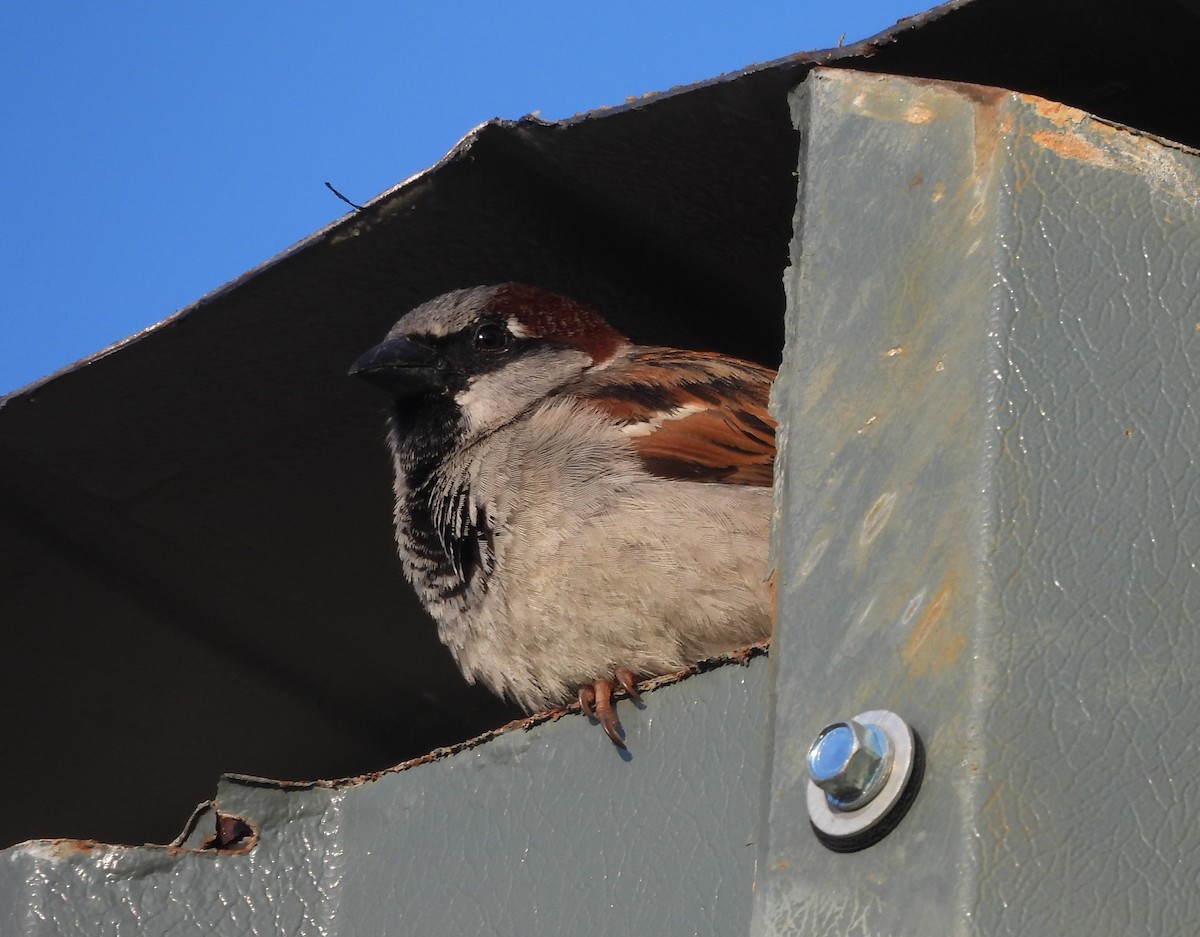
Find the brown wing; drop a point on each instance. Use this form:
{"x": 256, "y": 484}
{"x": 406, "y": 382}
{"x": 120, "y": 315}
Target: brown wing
{"x": 691, "y": 415}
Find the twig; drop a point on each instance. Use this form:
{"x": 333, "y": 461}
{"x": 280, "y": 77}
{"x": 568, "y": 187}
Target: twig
{"x": 343, "y": 198}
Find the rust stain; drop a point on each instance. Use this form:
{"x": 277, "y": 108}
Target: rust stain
{"x": 992, "y": 125}
{"x": 57, "y": 849}
{"x": 1079, "y": 136}
{"x": 1021, "y": 175}
{"x": 1061, "y": 115}
{"x": 818, "y": 386}
{"x": 890, "y": 100}
{"x": 983, "y": 95}
{"x": 918, "y": 114}
{"x": 994, "y": 805}
{"x": 915, "y": 181}
{"x": 934, "y": 644}
{"x": 1068, "y": 146}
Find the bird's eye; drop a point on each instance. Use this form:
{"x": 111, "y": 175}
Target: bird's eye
{"x": 491, "y": 336}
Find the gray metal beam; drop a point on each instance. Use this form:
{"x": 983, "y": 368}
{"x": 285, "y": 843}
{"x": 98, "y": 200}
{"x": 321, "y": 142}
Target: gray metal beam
{"x": 991, "y": 512}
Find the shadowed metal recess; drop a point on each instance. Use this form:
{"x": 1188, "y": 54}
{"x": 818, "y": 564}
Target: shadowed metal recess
{"x": 196, "y": 563}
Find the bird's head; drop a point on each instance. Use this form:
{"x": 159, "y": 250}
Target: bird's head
{"x": 479, "y": 357}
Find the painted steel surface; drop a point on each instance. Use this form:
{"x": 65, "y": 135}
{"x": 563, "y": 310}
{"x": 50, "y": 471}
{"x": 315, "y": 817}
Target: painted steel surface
{"x": 992, "y": 521}
{"x": 550, "y": 830}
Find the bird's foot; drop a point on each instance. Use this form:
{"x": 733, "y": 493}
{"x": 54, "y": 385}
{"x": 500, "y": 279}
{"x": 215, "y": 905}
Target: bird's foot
{"x": 595, "y": 699}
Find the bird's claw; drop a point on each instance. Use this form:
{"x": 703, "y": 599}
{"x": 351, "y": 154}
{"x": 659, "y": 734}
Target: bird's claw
{"x": 628, "y": 683}
{"x": 587, "y": 700}
{"x": 595, "y": 700}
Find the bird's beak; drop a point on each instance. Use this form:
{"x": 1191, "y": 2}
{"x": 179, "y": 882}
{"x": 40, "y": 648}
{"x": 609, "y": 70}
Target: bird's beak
{"x": 402, "y": 367}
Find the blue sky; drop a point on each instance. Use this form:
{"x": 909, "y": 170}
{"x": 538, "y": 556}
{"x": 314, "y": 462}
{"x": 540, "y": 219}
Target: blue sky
{"x": 152, "y": 151}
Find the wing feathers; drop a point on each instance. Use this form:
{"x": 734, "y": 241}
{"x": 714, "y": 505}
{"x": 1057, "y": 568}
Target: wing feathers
{"x": 690, "y": 415}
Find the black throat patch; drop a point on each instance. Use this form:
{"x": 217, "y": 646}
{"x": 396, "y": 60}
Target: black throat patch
{"x": 450, "y": 537}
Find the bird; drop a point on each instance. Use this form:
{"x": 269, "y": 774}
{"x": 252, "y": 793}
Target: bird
{"x": 576, "y": 512}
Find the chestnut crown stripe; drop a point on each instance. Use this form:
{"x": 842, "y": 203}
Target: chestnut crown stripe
{"x": 547, "y": 315}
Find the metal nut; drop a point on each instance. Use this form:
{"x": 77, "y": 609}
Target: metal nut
{"x": 850, "y": 762}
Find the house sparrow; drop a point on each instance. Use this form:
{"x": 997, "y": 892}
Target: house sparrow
{"x": 574, "y": 511}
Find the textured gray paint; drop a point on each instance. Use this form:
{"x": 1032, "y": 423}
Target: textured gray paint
{"x": 548, "y": 831}
{"x": 993, "y": 521}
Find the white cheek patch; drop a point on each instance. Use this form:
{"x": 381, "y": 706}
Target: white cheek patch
{"x": 481, "y": 404}
{"x": 516, "y": 329}
{"x": 646, "y": 427}
{"x": 494, "y": 398}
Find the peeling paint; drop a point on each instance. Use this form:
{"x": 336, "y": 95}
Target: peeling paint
{"x": 870, "y": 421}
{"x": 815, "y": 552}
{"x": 914, "y": 606}
{"x": 877, "y": 516}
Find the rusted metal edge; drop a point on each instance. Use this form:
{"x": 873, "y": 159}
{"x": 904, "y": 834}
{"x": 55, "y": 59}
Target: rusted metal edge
{"x": 741, "y": 656}
{"x": 232, "y": 834}
{"x": 228, "y": 833}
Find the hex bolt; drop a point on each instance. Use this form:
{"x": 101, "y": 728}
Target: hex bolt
{"x": 850, "y": 762}
{"x": 864, "y": 774}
